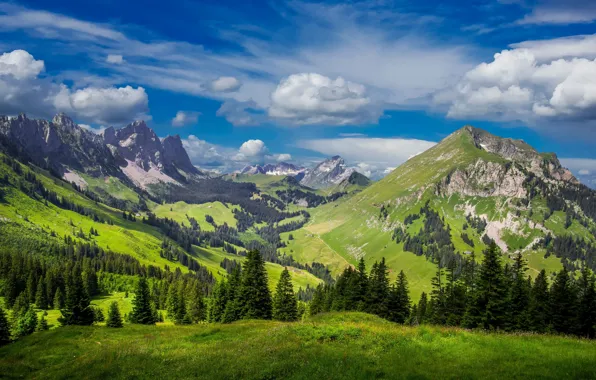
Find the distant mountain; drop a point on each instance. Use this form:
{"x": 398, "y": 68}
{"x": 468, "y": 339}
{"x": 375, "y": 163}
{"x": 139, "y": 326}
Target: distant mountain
{"x": 58, "y": 145}
{"x": 329, "y": 173}
{"x": 282, "y": 168}
{"x": 147, "y": 159}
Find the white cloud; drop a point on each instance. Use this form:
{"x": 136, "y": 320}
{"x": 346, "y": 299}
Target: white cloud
{"x": 184, "y": 118}
{"x": 97, "y": 131}
{"x": 351, "y": 40}
{"x": 104, "y": 105}
{"x": 583, "y": 168}
{"x": 242, "y": 114}
{"x": 374, "y": 155}
{"x": 557, "y": 12}
{"x": 253, "y": 149}
{"x": 310, "y": 98}
{"x": 20, "y": 64}
{"x": 116, "y": 59}
{"x": 533, "y": 81}
{"x": 282, "y": 157}
{"x": 226, "y": 84}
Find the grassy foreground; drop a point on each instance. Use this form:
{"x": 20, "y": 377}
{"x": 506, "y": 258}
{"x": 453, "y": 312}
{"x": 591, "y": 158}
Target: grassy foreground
{"x": 332, "y": 346}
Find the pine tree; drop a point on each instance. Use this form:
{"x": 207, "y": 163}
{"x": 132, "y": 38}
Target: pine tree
{"x": 399, "y": 300}
{"x": 218, "y": 301}
{"x": 540, "y": 304}
{"x": 519, "y": 300}
{"x": 316, "y": 305}
{"x": 562, "y": 306}
{"x": 26, "y": 323}
{"x": 142, "y": 312}
{"x": 285, "y": 307}
{"x": 254, "y": 295}
{"x": 232, "y": 309}
{"x": 98, "y": 315}
{"x": 41, "y": 300}
{"x": 422, "y": 308}
{"x": 58, "y": 299}
{"x": 77, "y": 307}
{"x": 586, "y": 314}
{"x": 42, "y": 324}
{"x": 362, "y": 286}
{"x": 11, "y": 289}
{"x": 4, "y": 328}
{"x": 114, "y": 318}
{"x": 378, "y": 290}
{"x": 196, "y": 304}
{"x": 438, "y": 298}
{"x": 488, "y": 307}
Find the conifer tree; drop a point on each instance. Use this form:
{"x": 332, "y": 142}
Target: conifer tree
{"x": 422, "y": 308}
{"x": 378, "y": 289}
{"x": 232, "y": 310}
{"x": 563, "y": 304}
{"x": 77, "y": 307}
{"x": 399, "y": 300}
{"x": 519, "y": 300}
{"x": 438, "y": 298}
{"x": 586, "y": 315}
{"x": 218, "y": 301}
{"x": 285, "y": 307}
{"x": 488, "y": 307}
{"x": 254, "y": 295}
{"x": 11, "y": 289}
{"x": 41, "y": 299}
{"x": 142, "y": 311}
{"x": 540, "y": 304}
{"x": 26, "y": 323}
{"x": 58, "y": 302}
{"x": 362, "y": 286}
{"x": 316, "y": 305}
{"x": 42, "y": 324}
{"x": 196, "y": 304}
{"x": 4, "y": 328}
{"x": 114, "y": 318}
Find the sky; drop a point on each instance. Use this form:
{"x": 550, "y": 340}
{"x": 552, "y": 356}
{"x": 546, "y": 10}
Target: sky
{"x": 253, "y": 82}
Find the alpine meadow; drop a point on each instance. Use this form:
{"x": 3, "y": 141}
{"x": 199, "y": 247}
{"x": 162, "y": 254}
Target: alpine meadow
{"x": 316, "y": 190}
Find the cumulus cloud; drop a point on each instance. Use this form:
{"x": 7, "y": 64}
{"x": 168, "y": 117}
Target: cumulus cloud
{"x": 184, "y": 118}
{"x": 103, "y": 105}
{"x": 282, "y": 157}
{"x": 532, "y": 81}
{"x": 97, "y": 131}
{"x": 310, "y": 98}
{"x": 253, "y": 149}
{"x": 22, "y": 90}
{"x": 226, "y": 84}
{"x": 20, "y": 64}
{"x": 242, "y": 114}
{"x": 116, "y": 59}
{"x": 372, "y": 155}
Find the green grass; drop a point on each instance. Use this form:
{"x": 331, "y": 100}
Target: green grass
{"x": 220, "y": 212}
{"x": 112, "y": 186}
{"x": 332, "y": 346}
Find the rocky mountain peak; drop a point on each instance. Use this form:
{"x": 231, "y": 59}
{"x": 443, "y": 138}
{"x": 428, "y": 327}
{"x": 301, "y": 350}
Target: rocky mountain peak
{"x": 175, "y": 154}
{"x": 328, "y": 173}
{"x": 65, "y": 121}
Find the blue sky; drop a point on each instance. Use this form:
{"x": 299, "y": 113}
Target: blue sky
{"x": 373, "y": 81}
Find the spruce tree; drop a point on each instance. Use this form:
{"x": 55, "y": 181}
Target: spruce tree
{"x": 41, "y": 299}
{"x": 488, "y": 307}
{"x": 540, "y": 304}
{"x": 586, "y": 314}
{"x": 232, "y": 307}
{"x": 4, "y": 328}
{"x": 254, "y": 295}
{"x": 114, "y": 318}
{"x": 58, "y": 302}
{"x": 378, "y": 289}
{"x": 142, "y": 312}
{"x": 362, "y": 286}
{"x": 399, "y": 300}
{"x": 77, "y": 307}
{"x": 285, "y": 307}
{"x": 26, "y": 323}
{"x": 218, "y": 301}
{"x": 316, "y": 305}
{"x": 519, "y": 300}
{"x": 422, "y": 308}
{"x": 42, "y": 324}
{"x": 196, "y": 304}
{"x": 563, "y": 303}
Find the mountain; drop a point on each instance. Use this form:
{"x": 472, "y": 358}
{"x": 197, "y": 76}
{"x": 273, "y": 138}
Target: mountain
{"x": 146, "y": 158}
{"x": 329, "y": 173}
{"x": 58, "y": 145}
{"x": 471, "y": 188}
{"x": 282, "y": 168}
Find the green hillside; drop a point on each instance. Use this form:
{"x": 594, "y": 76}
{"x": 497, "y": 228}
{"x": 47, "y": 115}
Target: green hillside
{"x": 332, "y": 346}
{"x": 362, "y": 225}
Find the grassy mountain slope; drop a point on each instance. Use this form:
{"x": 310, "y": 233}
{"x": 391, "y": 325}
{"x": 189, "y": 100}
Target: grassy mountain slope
{"x": 25, "y": 219}
{"x": 362, "y": 225}
{"x": 332, "y": 346}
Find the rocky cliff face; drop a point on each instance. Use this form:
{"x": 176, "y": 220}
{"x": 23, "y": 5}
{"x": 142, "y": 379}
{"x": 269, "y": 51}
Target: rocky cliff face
{"x": 283, "y": 168}
{"x": 328, "y": 173}
{"x": 60, "y": 145}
